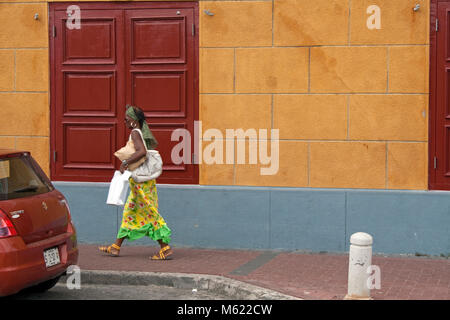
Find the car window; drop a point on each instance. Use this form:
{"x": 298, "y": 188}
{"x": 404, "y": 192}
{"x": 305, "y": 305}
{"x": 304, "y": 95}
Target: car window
{"x": 19, "y": 179}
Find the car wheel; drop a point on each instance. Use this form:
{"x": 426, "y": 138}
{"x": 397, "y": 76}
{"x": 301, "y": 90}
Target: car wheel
{"x": 44, "y": 286}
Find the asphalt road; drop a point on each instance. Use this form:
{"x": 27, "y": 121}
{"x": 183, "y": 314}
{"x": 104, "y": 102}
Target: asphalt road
{"x": 118, "y": 292}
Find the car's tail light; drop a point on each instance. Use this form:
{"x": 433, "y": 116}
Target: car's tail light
{"x": 69, "y": 216}
{"x": 6, "y": 227}
{"x": 70, "y": 226}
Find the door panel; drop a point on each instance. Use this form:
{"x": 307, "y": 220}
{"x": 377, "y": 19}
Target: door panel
{"x": 89, "y": 94}
{"x": 160, "y": 78}
{"x": 161, "y": 94}
{"x": 124, "y": 53}
{"x": 82, "y": 155}
{"x": 158, "y": 40}
{"x": 101, "y": 45}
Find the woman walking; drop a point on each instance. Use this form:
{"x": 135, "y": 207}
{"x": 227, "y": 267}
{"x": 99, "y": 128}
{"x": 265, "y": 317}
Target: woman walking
{"x": 140, "y": 215}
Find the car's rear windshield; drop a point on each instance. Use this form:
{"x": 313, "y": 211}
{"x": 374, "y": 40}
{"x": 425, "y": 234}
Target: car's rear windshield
{"x": 20, "y": 178}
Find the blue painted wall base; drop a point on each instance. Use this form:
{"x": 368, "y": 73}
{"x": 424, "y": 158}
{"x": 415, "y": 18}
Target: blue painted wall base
{"x": 401, "y": 222}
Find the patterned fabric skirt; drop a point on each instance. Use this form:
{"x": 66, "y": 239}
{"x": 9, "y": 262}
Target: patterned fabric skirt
{"x": 141, "y": 216}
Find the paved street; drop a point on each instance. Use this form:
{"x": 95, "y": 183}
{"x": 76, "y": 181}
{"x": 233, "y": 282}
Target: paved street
{"x": 306, "y": 276}
{"x": 119, "y": 292}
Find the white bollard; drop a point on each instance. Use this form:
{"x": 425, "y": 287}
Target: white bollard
{"x": 360, "y": 258}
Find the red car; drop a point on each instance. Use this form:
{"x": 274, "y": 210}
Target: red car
{"x": 37, "y": 238}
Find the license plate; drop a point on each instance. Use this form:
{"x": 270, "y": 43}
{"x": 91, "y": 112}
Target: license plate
{"x": 51, "y": 257}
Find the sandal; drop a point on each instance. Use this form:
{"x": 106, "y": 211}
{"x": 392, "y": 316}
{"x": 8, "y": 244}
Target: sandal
{"x": 106, "y": 249}
{"x": 162, "y": 255}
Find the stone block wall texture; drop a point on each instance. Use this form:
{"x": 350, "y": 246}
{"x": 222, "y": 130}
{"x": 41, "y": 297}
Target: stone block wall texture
{"x": 24, "y": 79}
{"x": 351, "y": 103}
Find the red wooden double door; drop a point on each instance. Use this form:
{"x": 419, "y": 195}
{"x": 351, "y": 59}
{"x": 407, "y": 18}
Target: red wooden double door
{"x": 144, "y": 54}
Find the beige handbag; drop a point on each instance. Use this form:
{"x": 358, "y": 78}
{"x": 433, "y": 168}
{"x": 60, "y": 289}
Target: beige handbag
{"x": 151, "y": 168}
{"x": 125, "y": 154}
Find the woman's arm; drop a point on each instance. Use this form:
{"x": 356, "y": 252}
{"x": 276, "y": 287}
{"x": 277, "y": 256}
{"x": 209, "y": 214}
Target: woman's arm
{"x": 138, "y": 146}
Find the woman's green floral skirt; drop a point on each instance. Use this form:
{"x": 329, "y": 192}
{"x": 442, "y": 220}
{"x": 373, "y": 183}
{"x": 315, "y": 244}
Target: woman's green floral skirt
{"x": 140, "y": 215}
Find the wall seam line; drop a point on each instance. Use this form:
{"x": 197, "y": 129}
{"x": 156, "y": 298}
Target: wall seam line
{"x": 22, "y": 136}
{"x": 15, "y": 70}
{"x": 381, "y": 45}
{"x": 24, "y": 2}
{"x": 234, "y": 72}
{"x": 309, "y": 71}
{"x": 295, "y": 140}
{"x": 348, "y": 117}
{"x": 273, "y": 24}
{"x": 21, "y": 91}
{"x": 303, "y": 93}
{"x": 349, "y": 21}
{"x": 272, "y": 107}
{"x": 387, "y": 69}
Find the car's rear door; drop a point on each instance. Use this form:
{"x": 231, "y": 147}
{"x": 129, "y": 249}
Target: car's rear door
{"x": 36, "y": 209}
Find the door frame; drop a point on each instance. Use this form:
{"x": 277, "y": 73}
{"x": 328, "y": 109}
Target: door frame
{"x": 433, "y": 183}
{"x": 58, "y": 6}
{"x": 432, "y": 97}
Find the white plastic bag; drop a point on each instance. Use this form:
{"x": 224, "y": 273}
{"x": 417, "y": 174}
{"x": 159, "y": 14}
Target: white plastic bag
{"x": 118, "y": 189}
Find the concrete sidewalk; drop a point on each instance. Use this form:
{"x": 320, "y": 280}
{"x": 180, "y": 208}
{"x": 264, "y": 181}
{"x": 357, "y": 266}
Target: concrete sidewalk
{"x": 302, "y": 275}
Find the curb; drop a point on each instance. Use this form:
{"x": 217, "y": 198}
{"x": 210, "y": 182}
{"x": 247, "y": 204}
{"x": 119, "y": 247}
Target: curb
{"x": 216, "y": 284}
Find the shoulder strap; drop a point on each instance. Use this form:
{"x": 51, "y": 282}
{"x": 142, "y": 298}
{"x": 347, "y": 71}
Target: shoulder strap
{"x": 143, "y": 141}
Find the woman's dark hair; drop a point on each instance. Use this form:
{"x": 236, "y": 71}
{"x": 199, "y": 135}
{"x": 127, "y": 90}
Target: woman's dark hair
{"x": 140, "y": 115}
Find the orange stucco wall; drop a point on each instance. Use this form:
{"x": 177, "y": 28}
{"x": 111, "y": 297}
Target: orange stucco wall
{"x": 351, "y": 103}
